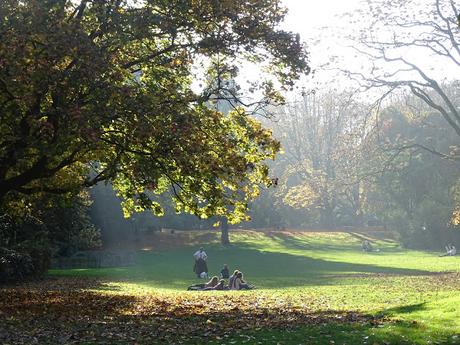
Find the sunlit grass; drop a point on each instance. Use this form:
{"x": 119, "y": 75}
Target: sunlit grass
{"x": 323, "y": 272}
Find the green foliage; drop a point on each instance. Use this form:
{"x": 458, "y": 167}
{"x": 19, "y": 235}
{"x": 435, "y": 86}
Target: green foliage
{"x": 89, "y": 237}
{"x": 328, "y": 138}
{"x": 105, "y": 88}
{"x": 349, "y": 164}
{"x": 51, "y": 226}
{"x": 14, "y": 266}
{"x": 39, "y": 250}
{"x": 413, "y": 195}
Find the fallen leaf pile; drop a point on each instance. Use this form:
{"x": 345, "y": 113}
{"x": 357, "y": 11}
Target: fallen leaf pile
{"x": 70, "y": 311}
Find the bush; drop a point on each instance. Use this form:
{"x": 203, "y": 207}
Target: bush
{"x": 14, "y": 266}
{"x": 40, "y": 252}
{"x": 89, "y": 237}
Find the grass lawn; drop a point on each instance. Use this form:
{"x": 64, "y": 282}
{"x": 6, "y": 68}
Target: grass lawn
{"x": 313, "y": 288}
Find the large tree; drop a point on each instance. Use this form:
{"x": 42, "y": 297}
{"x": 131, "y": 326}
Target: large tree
{"x": 328, "y": 138}
{"x": 105, "y": 90}
{"x": 416, "y": 192}
{"x": 412, "y": 45}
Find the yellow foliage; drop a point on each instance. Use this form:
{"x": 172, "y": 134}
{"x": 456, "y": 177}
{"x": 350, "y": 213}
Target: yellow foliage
{"x": 455, "y": 220}
{"x": 301, "y": 196}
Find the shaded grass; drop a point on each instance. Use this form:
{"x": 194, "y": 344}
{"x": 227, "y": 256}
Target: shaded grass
{"x": 277, "y": 260}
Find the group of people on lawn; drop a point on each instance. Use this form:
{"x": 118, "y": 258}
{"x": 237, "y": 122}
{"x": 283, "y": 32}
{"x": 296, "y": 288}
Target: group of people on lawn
{"x": 235, "y": 281}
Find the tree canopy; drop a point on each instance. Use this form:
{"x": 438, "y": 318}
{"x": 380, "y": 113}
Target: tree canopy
{"x": 414, "y": 46}
{"x": 95, "y": 91}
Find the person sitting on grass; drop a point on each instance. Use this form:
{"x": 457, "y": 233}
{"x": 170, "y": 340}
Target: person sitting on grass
{"x": 232, "y": 278}
{"x": 366, "y": 245}
{"x": 239, "y": 283}
{"x": 224, "y": 273}
{"x": 450, "y": 250}
{"x": 210, "y": 284}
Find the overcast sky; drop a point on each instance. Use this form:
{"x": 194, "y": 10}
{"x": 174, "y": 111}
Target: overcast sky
{"x": 305, "y": 15}
{"x": 309, "y": 17}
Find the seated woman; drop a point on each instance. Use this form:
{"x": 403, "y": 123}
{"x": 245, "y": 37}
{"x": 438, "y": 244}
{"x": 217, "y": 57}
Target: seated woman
{"x": 232, "y": 278}
{"x": 239, "y": 284}
{"x": 210, "y": 284}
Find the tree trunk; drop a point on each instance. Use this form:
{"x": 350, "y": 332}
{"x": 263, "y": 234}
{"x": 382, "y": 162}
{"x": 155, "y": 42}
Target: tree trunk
{"x": 358, "y": 205}
{"x": 224, "y": 239}
{"x": 327, "y": 216}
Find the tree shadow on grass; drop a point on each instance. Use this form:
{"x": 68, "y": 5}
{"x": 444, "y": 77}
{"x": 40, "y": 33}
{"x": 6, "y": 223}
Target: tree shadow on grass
{"x": 406, "y": 309}
{"x": 65, "y": 311}
{"x": 173, "y": 269}
{"x": 388, "y": 332}
{"x": 365, "y": 236}
{"x": 291, "y": 241}
{"x": 307, "y": 270}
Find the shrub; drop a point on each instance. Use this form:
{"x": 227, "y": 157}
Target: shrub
{"x": 39, "y": 251}
{"x": 14, "y": 266}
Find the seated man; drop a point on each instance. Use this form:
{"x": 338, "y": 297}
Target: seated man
{"x": 366, "y": 245}
{"x": 224, "y": 273}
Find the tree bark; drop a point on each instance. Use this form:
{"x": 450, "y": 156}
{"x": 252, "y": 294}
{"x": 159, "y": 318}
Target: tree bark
{"x": 224, "y": 239}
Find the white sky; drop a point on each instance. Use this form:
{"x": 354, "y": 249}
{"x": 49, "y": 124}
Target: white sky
{"x": 305, "y": 15}
{"x": 310, "y": 17}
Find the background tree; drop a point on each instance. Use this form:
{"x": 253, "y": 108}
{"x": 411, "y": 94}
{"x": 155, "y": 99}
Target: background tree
{"x": 415, "y": 193}
{"x": 414, "y": 46}
{"x": 326, "y": 138}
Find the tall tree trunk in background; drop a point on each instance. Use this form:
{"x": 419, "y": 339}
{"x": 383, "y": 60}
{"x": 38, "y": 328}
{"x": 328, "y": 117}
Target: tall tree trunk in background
{"x": 358, "y": 205}
{"x": 224, "y": 239}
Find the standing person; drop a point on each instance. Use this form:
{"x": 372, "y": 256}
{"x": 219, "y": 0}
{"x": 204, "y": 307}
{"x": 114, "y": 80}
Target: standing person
{"x": 224, "y": 273}
{"x": 200, "y": 254}
{"x": 201, "y": 265}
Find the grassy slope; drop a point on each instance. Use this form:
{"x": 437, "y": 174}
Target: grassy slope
{"x": 325, "y": 272}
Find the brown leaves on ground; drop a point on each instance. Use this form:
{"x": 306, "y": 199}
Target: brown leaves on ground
{"x": 67, "y": 311}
